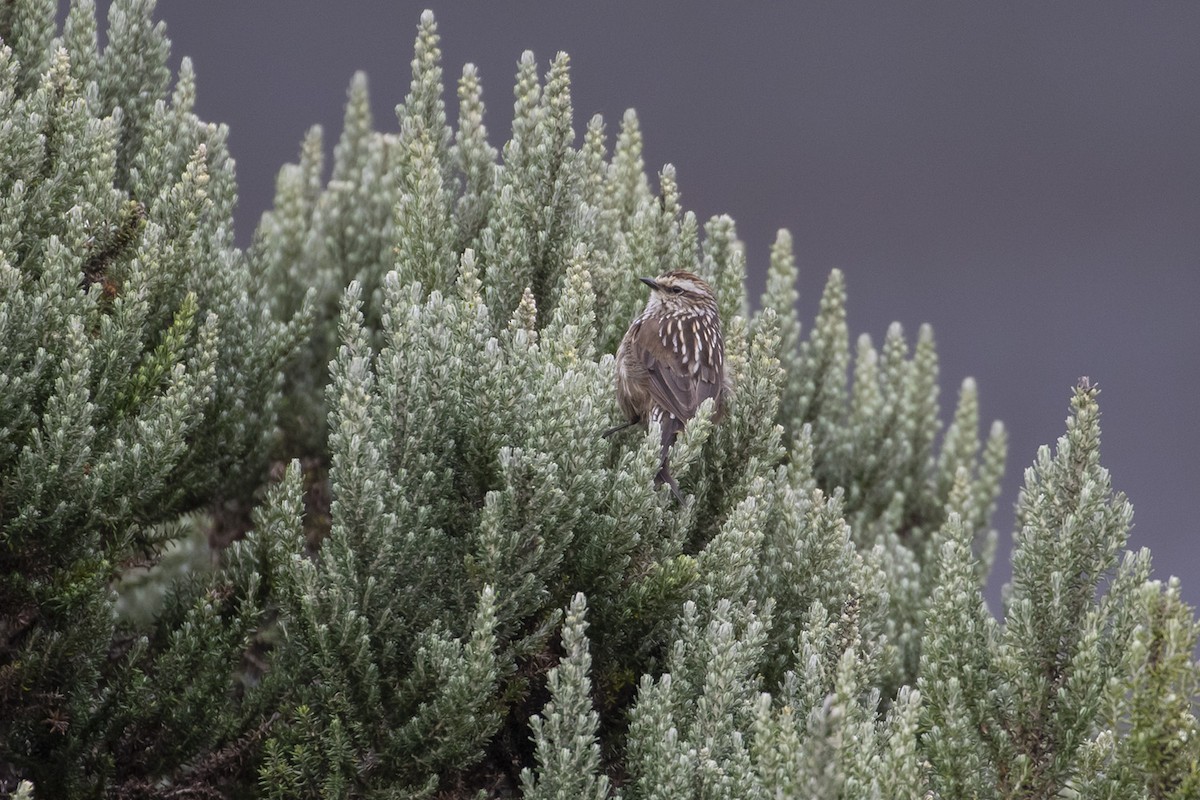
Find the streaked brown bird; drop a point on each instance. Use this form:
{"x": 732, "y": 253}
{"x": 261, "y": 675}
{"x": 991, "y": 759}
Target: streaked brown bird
{"x": 671, "y": 360}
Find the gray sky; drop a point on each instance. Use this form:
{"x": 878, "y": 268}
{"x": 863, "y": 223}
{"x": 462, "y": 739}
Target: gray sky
{"x": 1024, "y": 176}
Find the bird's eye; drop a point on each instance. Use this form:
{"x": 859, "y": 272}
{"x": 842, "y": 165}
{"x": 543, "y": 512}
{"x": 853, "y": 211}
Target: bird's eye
{"x": 676, "y": 290}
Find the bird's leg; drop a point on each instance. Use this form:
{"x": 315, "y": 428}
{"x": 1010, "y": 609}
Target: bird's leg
{"x": 664, "y": 473}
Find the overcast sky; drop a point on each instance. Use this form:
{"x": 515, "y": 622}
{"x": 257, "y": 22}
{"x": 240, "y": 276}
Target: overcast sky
{"x": 1024, "y": 176}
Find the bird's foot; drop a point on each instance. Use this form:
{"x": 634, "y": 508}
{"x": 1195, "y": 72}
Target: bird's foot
{"x": 618, "y": 429}
{"x": 664, "y": 476}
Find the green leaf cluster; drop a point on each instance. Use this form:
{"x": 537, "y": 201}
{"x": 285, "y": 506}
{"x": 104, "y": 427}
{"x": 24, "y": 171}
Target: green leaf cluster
{"x": 496, "y": 601}
{"x": 139, "y": 378}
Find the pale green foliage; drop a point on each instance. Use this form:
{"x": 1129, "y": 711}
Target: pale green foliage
{"x": 440, "y": 714}
{"x": 830, "y": 556}
{"x": 503, "y": 601}
{"x": 567, "y": 750}
{"x": 1151, "y": 699}
{"x": 466, "y": 402}
{"x": 1057, "y": 699}
{"x": 138, "y": 380}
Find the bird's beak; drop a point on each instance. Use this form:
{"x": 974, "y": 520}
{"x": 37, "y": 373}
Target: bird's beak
{"x": 649, "y": 282}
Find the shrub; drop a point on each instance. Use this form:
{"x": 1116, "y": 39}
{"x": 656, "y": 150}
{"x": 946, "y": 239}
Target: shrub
{"x": 138, "y": 381}
{"x": 500, "y": 602}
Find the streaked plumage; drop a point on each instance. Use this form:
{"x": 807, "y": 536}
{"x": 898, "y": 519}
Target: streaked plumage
{"x": 671, "y": 360}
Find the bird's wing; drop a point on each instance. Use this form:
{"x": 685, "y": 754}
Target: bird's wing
{"x": 673, "y": 385}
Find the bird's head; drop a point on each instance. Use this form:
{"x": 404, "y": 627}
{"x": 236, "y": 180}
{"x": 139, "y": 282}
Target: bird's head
{"x": 680, "y": 292}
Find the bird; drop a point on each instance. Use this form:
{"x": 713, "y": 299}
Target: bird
{"x": 670, "y": 361}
